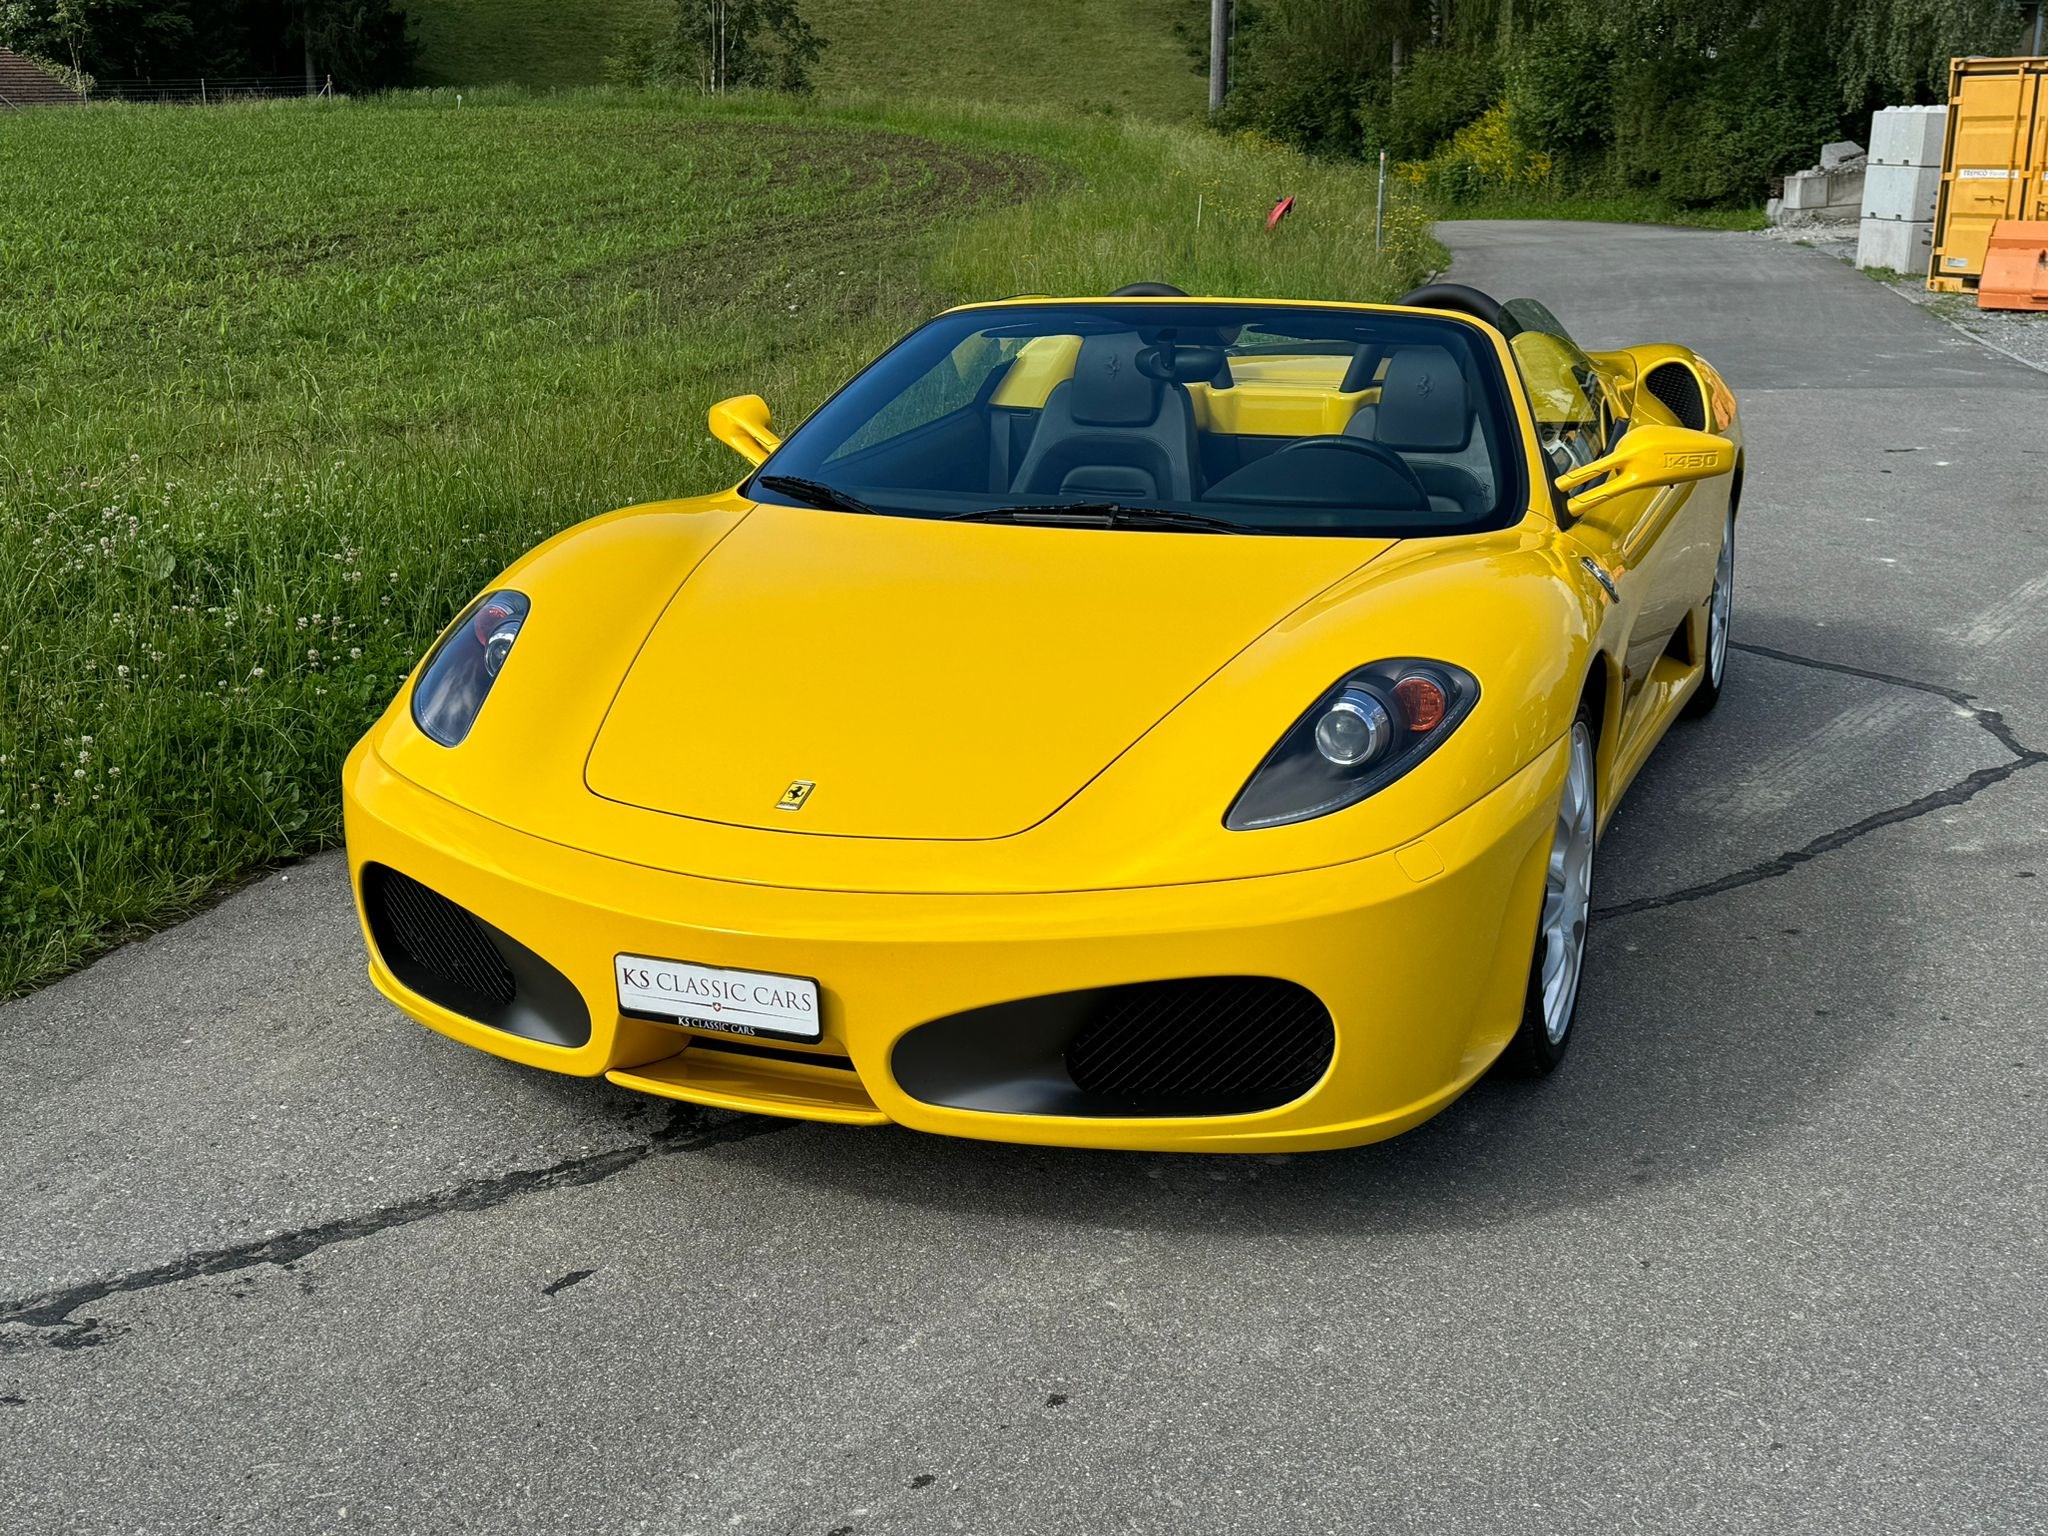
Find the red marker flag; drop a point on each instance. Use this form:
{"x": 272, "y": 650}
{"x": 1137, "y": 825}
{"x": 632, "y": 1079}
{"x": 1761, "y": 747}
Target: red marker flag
{"x": 1280, "y": 211}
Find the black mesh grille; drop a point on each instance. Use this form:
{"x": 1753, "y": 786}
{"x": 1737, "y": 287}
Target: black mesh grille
{"x": 424, "y": 933}
{"x": 1210, "y": 1045}
{"x": 1674, "y": 384}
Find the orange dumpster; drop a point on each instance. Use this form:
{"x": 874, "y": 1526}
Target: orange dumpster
{"x": 2015, "y": 266}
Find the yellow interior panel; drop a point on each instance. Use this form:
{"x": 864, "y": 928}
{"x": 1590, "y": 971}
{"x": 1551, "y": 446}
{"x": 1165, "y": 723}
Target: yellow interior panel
{"x": 1041, "y": 363}
{"x": 1281, "y": 395}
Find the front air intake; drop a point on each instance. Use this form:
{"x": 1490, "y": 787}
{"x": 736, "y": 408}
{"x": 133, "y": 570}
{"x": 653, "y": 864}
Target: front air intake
{"x": 424, "y": 932}
{"x": 453, "y": 958}
{"x": 1205, "y": 1046}
{"x": 1202, "y": 1045}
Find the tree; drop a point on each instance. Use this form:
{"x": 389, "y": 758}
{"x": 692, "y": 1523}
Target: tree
{"x": 101, "y": 38}
{"x": 1695, "y": 103}
{"x": 1901, "y": 48}
{"x": 1307, "y": 71}
{"x": 362, "y": 43}
{"x": 717, "y": 46}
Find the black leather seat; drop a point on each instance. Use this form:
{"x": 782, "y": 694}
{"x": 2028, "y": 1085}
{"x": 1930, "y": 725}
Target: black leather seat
{"x": 1113, "y": 430}
{"x": 1425, "y": 414}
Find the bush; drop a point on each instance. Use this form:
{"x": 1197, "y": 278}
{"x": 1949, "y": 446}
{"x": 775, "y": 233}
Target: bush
{"x": 1304, "y": 69}
{"x": 1439, "y": 92}
{"x": 1485, "y": 158}
{"x": 1558, "y": 87}
{"x": 1311, "y": 109}
{"x": 1699, "y": 132}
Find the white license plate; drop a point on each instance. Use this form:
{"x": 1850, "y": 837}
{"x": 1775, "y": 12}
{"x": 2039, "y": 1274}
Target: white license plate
{"x": 711, "y": 997}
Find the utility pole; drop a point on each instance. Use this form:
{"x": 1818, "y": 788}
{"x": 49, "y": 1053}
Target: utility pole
{"x": 1219, "y": 53}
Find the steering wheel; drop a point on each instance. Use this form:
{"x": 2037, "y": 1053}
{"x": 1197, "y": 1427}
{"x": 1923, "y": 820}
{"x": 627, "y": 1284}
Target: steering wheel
{"x": 1374, "y": 451}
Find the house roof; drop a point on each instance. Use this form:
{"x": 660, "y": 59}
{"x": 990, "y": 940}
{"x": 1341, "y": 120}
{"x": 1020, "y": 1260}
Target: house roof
{"x": 26, "y": 84}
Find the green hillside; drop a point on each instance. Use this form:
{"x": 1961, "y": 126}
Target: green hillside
{"x": 1080, "y": 53}
{"x": 521, "y": 42}
{"x": 1085, "y": 53}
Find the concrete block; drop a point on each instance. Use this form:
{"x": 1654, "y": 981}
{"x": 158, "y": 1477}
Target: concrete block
{"x": 1806, "y": 190}
{"x": 1901, "y": 192}
{"x": 1904, "y": 246}
{"x": 1908, "y": 135}
{"x": 1834, "y": 195}
{"x": 1838, "y": 154}
{"x": 1845, "y": 192}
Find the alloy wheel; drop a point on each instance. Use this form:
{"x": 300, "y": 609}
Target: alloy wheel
{"x": 1568, "y": 888}
{"x": 1720, "y": 605}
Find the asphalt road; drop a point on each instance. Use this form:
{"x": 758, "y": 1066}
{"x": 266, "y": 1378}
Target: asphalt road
{"x": 1768, "y": 1255}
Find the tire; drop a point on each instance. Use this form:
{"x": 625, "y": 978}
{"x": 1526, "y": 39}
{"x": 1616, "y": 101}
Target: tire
{"x": 1720, "y": 609}
{"x": 1557, "y": 966}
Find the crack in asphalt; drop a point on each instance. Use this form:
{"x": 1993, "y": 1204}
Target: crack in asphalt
{"x": 48, "y": 1318}
{"x": 1967, "y": 788}
{"x": 1953, "y": 695}
{"x": 1963, "y": 790}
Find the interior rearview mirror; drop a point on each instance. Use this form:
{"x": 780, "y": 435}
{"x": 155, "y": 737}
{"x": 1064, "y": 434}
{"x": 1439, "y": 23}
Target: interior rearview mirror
{"x": 1644, "y": 458}
{"x": 741, "y": 423}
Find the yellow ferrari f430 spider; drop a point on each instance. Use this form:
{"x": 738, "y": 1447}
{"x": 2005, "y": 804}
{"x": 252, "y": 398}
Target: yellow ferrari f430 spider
{"x": 1141, "y": 721}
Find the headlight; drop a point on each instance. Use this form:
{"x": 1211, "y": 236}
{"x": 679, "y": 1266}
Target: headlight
{"x": 1368, "y": 730}
{"x": 459, "y": 675}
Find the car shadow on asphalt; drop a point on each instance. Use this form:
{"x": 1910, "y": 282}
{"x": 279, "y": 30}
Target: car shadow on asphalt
{"x": 1692, "y": 1052}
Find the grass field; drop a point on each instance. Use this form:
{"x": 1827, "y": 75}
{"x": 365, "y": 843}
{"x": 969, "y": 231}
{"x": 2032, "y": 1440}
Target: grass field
{"x": 281, "y": 386}
{"x": 1089, "y": 54}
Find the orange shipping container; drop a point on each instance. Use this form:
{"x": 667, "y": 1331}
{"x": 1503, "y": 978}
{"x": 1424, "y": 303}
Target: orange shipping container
{"x": 1994, "y": 163}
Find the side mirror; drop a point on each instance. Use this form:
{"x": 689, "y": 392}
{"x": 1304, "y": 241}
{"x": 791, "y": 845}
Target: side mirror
{"x": 1646, "y": 457}
{"x": 741, "y": 423}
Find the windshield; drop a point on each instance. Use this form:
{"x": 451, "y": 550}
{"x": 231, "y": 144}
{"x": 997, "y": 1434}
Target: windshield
{"x": 1224, "y": 417}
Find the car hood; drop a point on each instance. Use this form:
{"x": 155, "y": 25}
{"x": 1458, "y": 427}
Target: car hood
{"x": 930, "y": 680}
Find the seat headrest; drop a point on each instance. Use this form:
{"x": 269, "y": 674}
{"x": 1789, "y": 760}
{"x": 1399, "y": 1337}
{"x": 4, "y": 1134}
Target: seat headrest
{"x": 1423, "y": 403}
{"x": 1109, "y": 389}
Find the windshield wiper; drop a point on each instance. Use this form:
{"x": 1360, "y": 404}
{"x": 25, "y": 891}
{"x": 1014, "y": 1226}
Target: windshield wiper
{"x": 816, "y": 493}
{"x": 1101, "y": 514}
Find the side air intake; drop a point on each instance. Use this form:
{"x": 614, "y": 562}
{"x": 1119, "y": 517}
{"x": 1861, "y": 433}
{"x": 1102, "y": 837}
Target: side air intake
{"x": 1679, "y": 388}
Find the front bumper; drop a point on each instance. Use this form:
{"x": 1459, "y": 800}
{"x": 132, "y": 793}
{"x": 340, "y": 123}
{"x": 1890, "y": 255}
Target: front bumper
{"x": 1420, "y": 955}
